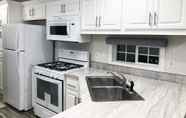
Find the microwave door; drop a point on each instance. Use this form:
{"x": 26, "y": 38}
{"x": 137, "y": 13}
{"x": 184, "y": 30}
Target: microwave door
{"x": 59, "y": 30}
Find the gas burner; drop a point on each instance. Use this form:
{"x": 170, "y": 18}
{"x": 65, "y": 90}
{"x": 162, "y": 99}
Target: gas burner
{"x": 60, "y": 66}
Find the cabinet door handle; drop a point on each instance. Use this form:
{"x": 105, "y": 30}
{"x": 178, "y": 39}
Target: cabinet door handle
{"x": 33, "y": 12}
{"x": 30, "y": 12}
{"x": 96, "y": 21}
{"x": 71, "y": 86}
{"x": 75, "y": 100}
{"x": 79, "y": 100}
{"x": 100, "y": 18}
{"x": 62, "y": 8}
{"x": 150, "y": 19}
{"x": 155, "y": 18}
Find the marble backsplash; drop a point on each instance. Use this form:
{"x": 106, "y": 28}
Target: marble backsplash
{"x": 175, "y": 78}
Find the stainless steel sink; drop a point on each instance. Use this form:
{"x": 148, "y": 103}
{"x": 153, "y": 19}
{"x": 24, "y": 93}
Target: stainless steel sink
{"x": 104, "y": 88}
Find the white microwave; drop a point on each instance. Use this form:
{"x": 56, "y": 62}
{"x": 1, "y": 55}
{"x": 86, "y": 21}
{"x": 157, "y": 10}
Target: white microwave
{"x": 64, "y": 28}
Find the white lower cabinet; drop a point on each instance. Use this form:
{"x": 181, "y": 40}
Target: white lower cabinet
{"x": 72, "y": 91}
{"x": 72, "y": 99}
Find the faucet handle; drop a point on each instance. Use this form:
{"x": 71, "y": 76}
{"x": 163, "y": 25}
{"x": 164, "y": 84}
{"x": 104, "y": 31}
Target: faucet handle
{"x": 131, "y": 86}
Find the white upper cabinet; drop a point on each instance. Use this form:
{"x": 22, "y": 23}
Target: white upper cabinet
{"x": 88, "y": 15}
{"x": 10, "y": 12}
{"x": 138, "y": 13}
{"x": 170, "y": 14}
{"x": 63, "y": 7}
{"x": 111, "y": 15}
{"x": 101, "y": 14}
{"x": 39, "y": 11}
{"x": 33, "y": 11}
{"x": 3, "y": 14}
{"x": 155, "y": 14}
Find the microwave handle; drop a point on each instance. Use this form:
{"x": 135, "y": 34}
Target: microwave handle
{"x": 68, "y": 28}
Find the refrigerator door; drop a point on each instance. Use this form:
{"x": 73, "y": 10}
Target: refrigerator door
{"x": 12, "y": 37}
{"x": 14, "y": 88}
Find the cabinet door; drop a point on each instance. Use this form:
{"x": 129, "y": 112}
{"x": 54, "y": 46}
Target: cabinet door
{"x": 72, "y": 7}
{"x": 111, "y": 15}
{"x": 55, "y": 8}
{"x": 170, "y": 14}
{"x": 71, "y": 100}
{"x": 138, "y": 14}
{"x": 27, "y": 13}
{"x": 4, "y": 14}
{"x": 38, "y": 12}
{"x": 88, "y": 15}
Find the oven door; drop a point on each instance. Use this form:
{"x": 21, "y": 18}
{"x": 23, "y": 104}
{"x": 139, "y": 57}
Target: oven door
{"x": 58, "y": 31}
{"x": 48, "y": 93}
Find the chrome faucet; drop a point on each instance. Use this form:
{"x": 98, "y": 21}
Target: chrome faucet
{"x": 119, "y": 78}
{"x": 123, "y": 81}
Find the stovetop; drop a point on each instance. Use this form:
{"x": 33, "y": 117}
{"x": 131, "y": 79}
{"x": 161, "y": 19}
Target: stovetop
{"x": 60, "y": 66}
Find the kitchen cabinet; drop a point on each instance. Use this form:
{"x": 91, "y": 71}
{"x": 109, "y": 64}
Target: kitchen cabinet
{"x": 63, "y": 7}
{"x": 137, "y": 13}
{"x": 155, "y": 14}
{"x": 3, "y": 14}
{"x": 72, "y": 99}
{"x": 88, "y": 15}
{"x": 170, "y": 14}
{"x": 72, "y": 91}
{"x": 10, "y": 12}
{"x": 101, "y": 14}
{"x": 34, "y": 11}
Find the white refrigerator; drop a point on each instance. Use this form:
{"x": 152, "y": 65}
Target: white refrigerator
{"x": 24, "y": 46}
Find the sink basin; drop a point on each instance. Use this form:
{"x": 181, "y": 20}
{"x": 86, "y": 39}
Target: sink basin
{"x": 104, "y": 88}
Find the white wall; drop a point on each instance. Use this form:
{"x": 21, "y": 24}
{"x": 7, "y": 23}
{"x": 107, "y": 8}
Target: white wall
{"x": 175, "y": 56}
{"x": 175, "y": 53}
{"x": 174, "y": 59}
{"x": 70, "y": 46}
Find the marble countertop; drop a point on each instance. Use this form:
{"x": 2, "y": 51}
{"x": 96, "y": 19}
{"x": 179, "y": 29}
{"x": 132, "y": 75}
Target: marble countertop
{"x": 162, "y": 100}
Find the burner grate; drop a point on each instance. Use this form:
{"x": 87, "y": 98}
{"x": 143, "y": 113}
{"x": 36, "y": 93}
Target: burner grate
{"x": 60, "y": 66}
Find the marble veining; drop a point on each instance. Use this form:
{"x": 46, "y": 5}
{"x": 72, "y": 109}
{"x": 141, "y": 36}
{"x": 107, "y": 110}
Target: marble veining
{"x": 162, "y": 100}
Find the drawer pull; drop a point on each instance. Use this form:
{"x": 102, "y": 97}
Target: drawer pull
{"x": 72, "y": 86}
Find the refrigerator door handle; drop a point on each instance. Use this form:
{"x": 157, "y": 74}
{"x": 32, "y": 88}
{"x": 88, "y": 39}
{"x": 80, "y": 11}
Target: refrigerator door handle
{"x": 17, "y": 54}
{"x": 17, "y": 37}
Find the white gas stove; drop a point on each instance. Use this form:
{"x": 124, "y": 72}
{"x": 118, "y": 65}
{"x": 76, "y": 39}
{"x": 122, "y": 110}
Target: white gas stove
{"x": 48, "y": 82}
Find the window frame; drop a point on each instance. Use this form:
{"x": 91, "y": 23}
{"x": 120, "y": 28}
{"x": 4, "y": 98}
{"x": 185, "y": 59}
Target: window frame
{"x": 155, "y": 67}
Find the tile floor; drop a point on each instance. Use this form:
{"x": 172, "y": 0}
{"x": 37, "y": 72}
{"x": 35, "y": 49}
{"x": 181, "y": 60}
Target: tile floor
{"x": 9, "y": 112}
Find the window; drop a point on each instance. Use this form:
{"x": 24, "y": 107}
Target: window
{"x": 148, "y": 55}
{"x": 137, "y": 54}
{"x": 126, "y": 53}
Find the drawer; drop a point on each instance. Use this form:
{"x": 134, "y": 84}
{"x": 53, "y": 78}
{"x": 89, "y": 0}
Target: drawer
{"x": 72, "y": 82}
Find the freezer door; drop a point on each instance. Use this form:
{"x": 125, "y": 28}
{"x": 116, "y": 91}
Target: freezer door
{"x": 12, "y": 37}
{"x": 14, "y": 88}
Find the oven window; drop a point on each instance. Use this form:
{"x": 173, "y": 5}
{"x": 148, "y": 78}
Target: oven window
{"x": 47, "y": 91}
{"x": 58, "y": 30}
